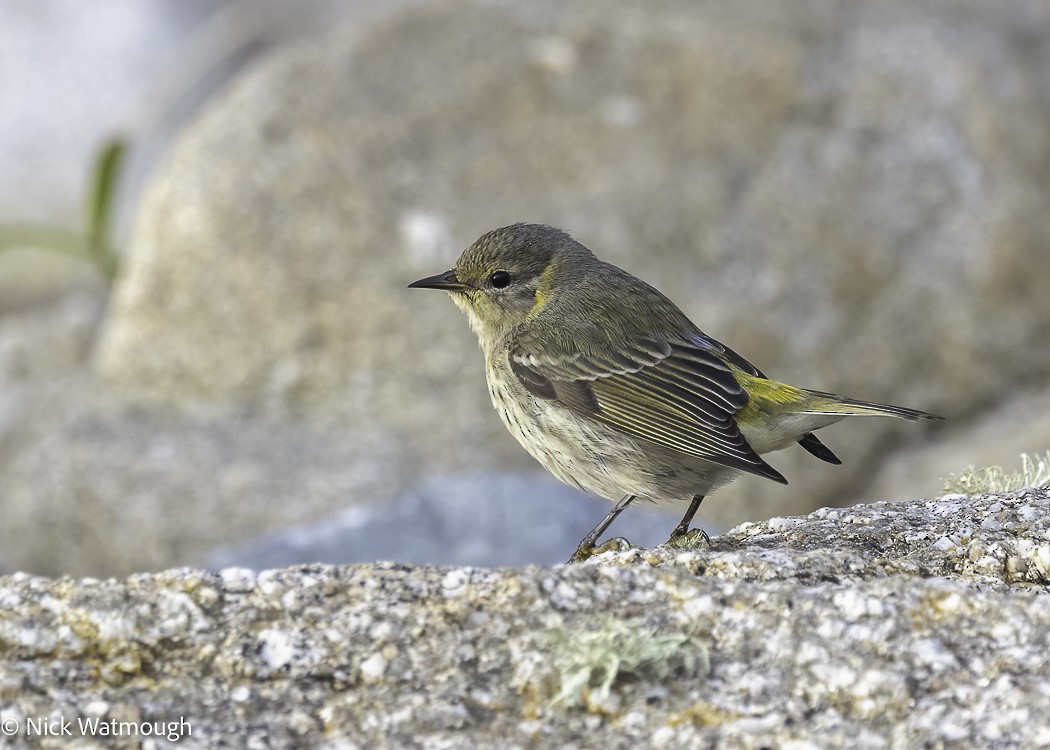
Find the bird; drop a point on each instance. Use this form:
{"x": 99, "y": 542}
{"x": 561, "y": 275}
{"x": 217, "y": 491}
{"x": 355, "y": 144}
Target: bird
{"x": 614, "y": 390}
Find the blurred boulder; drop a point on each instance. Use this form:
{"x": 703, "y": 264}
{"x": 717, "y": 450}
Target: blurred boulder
{"x": 97, "y": 486}
{"x": 851, "y": 197}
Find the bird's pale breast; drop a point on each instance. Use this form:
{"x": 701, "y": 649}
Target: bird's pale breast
{"x": 594, "y": 457}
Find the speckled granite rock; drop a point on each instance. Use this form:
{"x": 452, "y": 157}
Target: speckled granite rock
{"x": 882, "y": 626}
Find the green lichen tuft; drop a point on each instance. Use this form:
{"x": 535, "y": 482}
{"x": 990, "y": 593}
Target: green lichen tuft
{"x": 589, "y": 663}
{"x": 1035, "y": 472}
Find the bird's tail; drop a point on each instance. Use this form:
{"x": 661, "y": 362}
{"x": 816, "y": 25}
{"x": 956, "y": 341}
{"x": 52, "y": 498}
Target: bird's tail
{"x": 818, "y": 402}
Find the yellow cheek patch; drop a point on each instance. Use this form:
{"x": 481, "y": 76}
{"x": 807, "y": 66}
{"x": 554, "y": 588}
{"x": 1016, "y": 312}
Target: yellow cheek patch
{"x": 543, "y": 293}
{"x": 541, "y": 300}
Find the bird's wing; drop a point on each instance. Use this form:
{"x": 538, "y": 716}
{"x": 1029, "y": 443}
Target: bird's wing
{"x": 679, "y": 394}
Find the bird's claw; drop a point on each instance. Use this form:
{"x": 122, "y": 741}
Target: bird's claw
{"x": 587, "y": 551}
{"x": 688, "y": 539}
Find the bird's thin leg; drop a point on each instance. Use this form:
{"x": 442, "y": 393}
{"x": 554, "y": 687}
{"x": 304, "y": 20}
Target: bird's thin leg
{"x": 683, "y": 527}
{"x": 586, "y": 546}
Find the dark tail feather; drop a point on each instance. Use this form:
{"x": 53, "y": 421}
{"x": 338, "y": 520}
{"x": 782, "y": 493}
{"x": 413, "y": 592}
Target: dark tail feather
{"x": 812, "y": 443}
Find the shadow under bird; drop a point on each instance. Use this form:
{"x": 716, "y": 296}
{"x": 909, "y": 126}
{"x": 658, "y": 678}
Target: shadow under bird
{"x": 607, "y": 384}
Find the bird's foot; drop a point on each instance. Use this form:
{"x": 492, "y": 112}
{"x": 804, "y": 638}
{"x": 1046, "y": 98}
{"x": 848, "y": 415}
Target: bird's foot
{"x": 688, "y": 539}
{"x": 587, "y": 551}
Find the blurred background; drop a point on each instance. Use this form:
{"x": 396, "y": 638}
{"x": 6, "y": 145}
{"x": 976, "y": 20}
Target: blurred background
{"x": 209, "y": 211}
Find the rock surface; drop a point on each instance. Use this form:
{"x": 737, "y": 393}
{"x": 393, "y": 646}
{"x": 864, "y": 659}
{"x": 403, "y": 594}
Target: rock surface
{"x": 848, "y": 197}
{"x": 884, "y": 626}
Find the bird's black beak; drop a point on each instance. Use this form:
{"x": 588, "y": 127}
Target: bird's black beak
{"x": 446, "y": 281}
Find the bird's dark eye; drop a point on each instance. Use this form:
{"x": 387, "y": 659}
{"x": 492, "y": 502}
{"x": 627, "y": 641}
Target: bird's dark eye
{"x": 500, "y": 279}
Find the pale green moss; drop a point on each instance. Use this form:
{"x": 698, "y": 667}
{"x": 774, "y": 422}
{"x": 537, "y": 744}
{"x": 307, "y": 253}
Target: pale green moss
{"x": 1035, "y": 472}
{"x": 588, "y": 663}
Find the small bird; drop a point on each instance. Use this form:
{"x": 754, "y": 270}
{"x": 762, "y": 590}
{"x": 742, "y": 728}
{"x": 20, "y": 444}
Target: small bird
{"x": 606, "y": 383}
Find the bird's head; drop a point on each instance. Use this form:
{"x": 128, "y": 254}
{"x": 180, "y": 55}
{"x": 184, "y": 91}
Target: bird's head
{"x": 509, "y": 275}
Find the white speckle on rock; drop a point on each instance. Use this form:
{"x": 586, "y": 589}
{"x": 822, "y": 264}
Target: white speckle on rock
{"x": 834, "y": 676}
{"x": 947, "y": 507}
{"x": 115, "y": 628}
{"x": 951, "y": 602}
{"x": 988, "y": 565}
{"x": 855, "y": 605}
{"x": 240, "y": 694}
{"x": 381, "y": 631}
{"x": 944, "y": 544}
{"x": 290, "y": 600}
{"x": 1029, "y": 513}
{"x": 779, "y": 523}
{"x": 808, "y": 653}
{"x": 276, "y": 648}
{"x": 207, "y": 596}
{"x": 831, "y": 628}
{"x": 269, "y": 583}
{"x": 934, "y": 654}
{"x": 1042, "y": 736}
{"x": 633, "y": 720}
{"x": 53, "y": 604}
{"x": 373, "y": 668}
{"x": 454, "y": 584}
{"x": 237, "y": 580}
{"x": 300, "y": 722}
{"x": 564, "y": 596}
{"x": 180, "y": 612}
{"x": 953, "y": 497}
{"x": 698, "y": 605}
{"x": 28, "y": 637}
{"x": 96, "y": 708}
{"x": 9, "y": 599}
{"x": 662, "y": 737}
{"x": 953, "y": 731}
